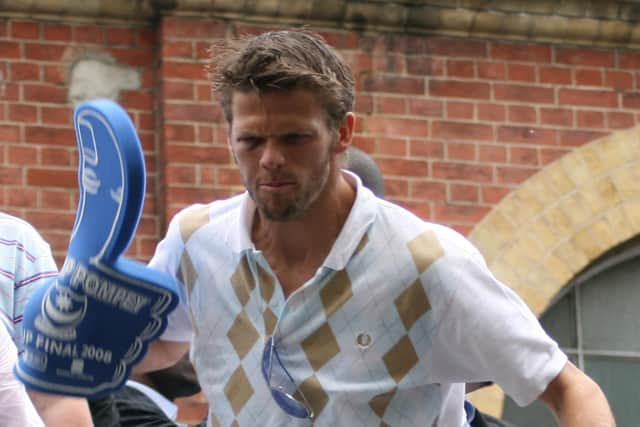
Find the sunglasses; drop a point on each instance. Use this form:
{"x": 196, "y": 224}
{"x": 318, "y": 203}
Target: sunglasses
{"x": 283, "y": 388}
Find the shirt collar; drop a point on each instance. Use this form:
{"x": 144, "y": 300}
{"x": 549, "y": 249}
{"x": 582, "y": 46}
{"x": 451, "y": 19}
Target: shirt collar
{"x": 360, "y": 218}
{"x": 362, "y": 214}
{"x": 238, "y": 236}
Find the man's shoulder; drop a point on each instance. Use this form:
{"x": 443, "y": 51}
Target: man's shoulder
{"x": 398, "y": 219}
{"x": 19, "y": 231}
{"x": 215, "y": 213}
{"x": 211, "y": 210}
{"x": 410, "y": 228}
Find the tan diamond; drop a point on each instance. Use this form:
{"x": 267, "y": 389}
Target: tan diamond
{"x": 412, "y": 303}
{"x": 242, "y": 281}
{"x": 194, "y": 324}
{"x": 425, "y": 250}
{"x": 238, "y": 390}
{"x": 336, "y": 292}
{"x": 380, "y": 402}
{"x": 192, "y": 220}
{"x": 314, "y": 394}
{"x": 400, "y": 359}
{"x": 242, "y": 334}
{"x": 187, "y": 272}
{"x": 270, "y": 321}
{"x": 320, "y": 346}
{"x": 362, "y": 244}
{"x": 267, "y": 284}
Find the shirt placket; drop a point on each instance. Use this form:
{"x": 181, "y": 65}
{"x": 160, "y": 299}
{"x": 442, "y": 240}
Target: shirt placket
{"x": 275, "y": 308}
{"x": 270, "y": 295}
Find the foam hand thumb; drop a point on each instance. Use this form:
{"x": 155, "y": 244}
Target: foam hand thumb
{"x": 87, "y": 327}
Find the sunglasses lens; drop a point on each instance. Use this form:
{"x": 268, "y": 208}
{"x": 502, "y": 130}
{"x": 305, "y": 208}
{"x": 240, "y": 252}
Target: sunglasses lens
{"x": 283, "y": 398}
{"x": 267, "y": 360}
{"x": 290, "y": 405}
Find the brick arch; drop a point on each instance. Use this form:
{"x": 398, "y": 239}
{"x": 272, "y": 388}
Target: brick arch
{"x": 560, "y": 220}
{"x": 563, "y": 217}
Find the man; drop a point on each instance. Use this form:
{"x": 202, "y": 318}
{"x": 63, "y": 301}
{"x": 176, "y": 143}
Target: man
{"x": 25, "y": 264}
{"x": 309, "y": 300}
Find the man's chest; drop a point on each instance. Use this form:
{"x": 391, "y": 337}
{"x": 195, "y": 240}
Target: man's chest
{"x": 361, "y": 334}
{"x": 356, "y": 324}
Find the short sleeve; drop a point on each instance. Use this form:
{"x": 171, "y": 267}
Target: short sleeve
{"x": 27, "y": 258}
{"x": 167, "y": 260}
{"x": 487, "y": 333}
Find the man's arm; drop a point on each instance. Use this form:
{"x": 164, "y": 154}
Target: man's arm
{"x": 160, "y": 355}
{"x": 576, "y": 400}
{"x": 61, "y": 411}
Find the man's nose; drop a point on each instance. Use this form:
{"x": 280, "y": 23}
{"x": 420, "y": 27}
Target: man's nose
{"x": 272, "y": 156}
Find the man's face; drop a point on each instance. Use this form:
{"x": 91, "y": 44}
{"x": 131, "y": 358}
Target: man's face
{"x": 285, "y": 150}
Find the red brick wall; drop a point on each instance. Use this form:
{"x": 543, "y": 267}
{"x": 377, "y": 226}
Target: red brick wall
{"x": 198, "y": 163}
{"x": 455, "y": 125}
{"x": 38, "y": 152}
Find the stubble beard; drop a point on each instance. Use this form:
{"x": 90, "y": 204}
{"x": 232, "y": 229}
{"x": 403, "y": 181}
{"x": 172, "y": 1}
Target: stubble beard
{"x": 301, "y": 201}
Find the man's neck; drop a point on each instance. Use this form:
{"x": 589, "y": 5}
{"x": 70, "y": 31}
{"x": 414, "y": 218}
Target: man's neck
{"x": 303, "y": 243}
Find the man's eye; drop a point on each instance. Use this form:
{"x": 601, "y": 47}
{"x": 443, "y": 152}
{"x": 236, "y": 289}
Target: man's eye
{"x": 250, "y": 141}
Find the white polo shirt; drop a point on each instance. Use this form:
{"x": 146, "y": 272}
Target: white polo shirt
{"x": 399, "y": 316}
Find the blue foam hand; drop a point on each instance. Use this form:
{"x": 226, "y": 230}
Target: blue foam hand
{"x": 87, "y": 327}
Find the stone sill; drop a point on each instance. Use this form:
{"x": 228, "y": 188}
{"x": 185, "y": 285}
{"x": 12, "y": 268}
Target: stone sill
{"x": 612, "y": 23}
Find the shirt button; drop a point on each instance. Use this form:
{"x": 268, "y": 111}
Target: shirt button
{"x": 364, "y": 340}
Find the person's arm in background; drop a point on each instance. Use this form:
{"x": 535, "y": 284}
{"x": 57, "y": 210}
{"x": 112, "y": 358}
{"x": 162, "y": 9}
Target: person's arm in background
{"x": 33, "y": 267}
{"x": 19, "y": 409}
{"x": 26, "y": 259}
{"x": 57, "y": 410}
{"x": 160, "y": 355}
{"x": 576, "y": 400}
{"x": 16, "y": 409}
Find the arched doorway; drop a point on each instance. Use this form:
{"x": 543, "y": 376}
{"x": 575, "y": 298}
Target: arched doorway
{"x": 595, "y": 320}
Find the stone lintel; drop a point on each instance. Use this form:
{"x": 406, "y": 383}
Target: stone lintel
{"x": 140, "y": 11}
{"x": 605, "y": 24}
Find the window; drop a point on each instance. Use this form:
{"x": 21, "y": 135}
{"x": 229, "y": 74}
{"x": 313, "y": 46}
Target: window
{"x": 596, "y": 321}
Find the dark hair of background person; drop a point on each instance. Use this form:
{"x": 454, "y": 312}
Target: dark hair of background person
{"x": 365, "y": 167}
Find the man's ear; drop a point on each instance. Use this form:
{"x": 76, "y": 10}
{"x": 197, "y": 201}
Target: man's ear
{"x": 229, "y": 136}
{"x": 345, "y": 132}
{"x": 229, "y": 146}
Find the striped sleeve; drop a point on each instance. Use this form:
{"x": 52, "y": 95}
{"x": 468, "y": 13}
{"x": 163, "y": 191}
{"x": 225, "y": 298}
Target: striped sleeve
{"x": 25, "y": 264}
